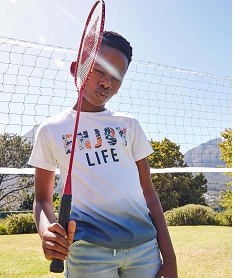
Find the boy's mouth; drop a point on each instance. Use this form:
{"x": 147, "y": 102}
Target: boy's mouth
{"x": 102, "y": 94}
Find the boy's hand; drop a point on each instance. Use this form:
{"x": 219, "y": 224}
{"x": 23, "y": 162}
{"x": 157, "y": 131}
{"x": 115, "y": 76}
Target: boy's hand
{"x": 167, "y": 270}
{"x": 56, "y": 241}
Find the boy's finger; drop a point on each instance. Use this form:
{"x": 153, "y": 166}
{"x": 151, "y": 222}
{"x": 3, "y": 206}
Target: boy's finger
{"x": 57, "y": 228}
{"x": 70, "y": 231}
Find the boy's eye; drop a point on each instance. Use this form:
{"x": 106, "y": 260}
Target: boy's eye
{"x": 99, "y": 71}
{"x": 113, "y": 77}
{"x": 116, "y": 79}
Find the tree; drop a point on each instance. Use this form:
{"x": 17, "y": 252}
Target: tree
{"x": 56, "y": 201}
{"x": 193, "y": 189}
{"x": 166, "y": 155}
{"x": 27, "y": 198}
{"x": 27, "y": 202}
{"x": 14, "y": 153}
{"x": 175, "y": 189}
{"x": 226, "y": 155}
{"x": 169, "y": 198}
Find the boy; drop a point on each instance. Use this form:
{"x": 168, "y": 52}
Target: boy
{"x": 117, "y": 226}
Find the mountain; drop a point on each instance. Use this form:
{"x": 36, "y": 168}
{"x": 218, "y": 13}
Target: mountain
{"x": 208, "y": 155}
{"x": 205, "y": 155}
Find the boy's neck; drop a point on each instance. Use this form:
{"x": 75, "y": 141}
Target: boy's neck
{"x": 88, "y": 109}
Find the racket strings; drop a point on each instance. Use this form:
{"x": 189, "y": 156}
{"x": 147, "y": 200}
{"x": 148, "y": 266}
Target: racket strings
{"x": 89, "y": 42}
{"x": 90, "y": 46}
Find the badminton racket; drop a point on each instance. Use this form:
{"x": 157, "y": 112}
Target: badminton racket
{"x": 81, "y": 70}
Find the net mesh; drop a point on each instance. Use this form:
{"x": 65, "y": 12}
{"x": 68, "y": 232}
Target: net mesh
{"x": 187, "y": 107}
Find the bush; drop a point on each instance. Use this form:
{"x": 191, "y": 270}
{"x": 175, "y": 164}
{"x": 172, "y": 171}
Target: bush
{"x": 190, "y": 215}
{"x": 20, "y": 224}
{"x": 224, "y": 218}
{"x": 2, "y": 227}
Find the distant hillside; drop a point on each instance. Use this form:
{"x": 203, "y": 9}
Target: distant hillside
{"x": 208, "y": 155}
{"x": 205, "y": 155}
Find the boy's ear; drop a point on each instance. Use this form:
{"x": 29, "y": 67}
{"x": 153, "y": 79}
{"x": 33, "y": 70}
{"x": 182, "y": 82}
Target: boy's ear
{"x": 72, "y": 68}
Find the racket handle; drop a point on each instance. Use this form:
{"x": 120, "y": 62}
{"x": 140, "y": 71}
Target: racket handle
{"x": 57, "y": 265}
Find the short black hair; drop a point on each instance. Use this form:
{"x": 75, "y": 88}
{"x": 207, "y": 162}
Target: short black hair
{"x": 114, "y": 40}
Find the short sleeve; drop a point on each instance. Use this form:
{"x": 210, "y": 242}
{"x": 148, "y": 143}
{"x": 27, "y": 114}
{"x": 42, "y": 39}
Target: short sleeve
{"x": 42, "y": 155}
{"x": 141, "y": 147}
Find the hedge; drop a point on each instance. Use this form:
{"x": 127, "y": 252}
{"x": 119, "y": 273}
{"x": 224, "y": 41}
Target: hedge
{"x": 20, "y": 224}
{"x": 191, "y": 215}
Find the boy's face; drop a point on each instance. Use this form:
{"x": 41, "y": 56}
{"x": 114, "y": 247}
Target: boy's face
{"x": 105, "y": 80}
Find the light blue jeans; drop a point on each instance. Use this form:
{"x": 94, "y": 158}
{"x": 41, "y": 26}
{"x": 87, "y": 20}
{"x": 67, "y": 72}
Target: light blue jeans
{"x": 87, "y": 260}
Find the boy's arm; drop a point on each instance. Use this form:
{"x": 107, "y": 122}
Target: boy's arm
{"x": 168, "y": 268}
{"x": 55, "y": 240}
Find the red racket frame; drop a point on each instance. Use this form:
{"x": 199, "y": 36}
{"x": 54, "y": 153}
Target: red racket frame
{"x": 57, "y": 265}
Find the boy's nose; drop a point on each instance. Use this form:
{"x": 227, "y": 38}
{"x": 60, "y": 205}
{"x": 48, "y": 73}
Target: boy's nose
{"x": 105, "y": 82}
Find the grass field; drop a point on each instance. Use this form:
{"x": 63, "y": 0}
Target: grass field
{"x": 202, "y": 252}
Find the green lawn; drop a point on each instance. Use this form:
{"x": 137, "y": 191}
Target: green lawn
{"x": 202, "y": 252}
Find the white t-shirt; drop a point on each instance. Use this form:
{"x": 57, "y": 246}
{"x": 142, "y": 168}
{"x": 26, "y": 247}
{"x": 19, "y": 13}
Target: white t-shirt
{"x": 107, "y": 199}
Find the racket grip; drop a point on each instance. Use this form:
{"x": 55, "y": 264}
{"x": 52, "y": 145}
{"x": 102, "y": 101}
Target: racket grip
{"x": 57, "y": 266}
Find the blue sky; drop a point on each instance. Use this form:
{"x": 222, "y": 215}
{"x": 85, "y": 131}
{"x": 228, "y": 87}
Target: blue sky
{"x": 188, "y": 34}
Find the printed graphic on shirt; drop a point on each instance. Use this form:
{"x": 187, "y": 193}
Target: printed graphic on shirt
{"x": 98, "y": 139}
{"x": 110, "y": 136}
{"x": 84, "y": 140}
{"x": 67, "y": 139}
{"x": 102, "y": 156}
{"x": 122, "y": 133}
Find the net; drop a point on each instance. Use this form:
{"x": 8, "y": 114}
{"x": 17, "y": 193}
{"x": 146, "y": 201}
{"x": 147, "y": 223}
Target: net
{"x": 187, "y": 107}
